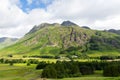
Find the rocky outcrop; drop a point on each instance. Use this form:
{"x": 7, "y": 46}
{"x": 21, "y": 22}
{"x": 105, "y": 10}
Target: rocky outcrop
{"x": 68, "y": 23}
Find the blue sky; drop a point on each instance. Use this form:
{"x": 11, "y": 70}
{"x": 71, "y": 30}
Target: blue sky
{"x": 28, "y": 5}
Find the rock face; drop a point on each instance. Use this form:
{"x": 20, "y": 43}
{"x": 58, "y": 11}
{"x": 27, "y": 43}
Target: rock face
{"x": 63, "y": 38}
{"x": 43, "y": 25}
{"x": 68, "y": 23}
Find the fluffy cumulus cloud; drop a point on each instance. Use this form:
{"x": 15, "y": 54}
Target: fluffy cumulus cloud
{"x": 17, "y": 17}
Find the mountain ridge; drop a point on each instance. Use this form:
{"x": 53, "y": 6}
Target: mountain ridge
{"x": 114, "y": 31}
{"x": 56, "y": 39}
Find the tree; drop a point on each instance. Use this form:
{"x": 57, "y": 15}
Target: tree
{"x": 85, "y": 70}
{"x": 111, "y": 71}
{"x": 41, "y": 65}
{"x": 49, "y": 72}
{"x": 75, "y": 71}
{"x": 11, "y": 63}
{"x": 28, "y": 64}
{"x": 61, "y": 71}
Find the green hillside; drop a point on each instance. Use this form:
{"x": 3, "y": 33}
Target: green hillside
{"x": 63, "y": 39}
{"x": 6, "y": 41}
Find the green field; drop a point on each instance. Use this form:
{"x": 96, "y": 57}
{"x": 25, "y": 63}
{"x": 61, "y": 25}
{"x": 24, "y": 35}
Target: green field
{"x": 24, "y": 72}
{"x": 18, "y": 72}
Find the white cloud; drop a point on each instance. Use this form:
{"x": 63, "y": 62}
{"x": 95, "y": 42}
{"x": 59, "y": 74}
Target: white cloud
{"x": 15, "y": 23}
{"x": 94, "y": 13}
{"x": 98, "y": 14}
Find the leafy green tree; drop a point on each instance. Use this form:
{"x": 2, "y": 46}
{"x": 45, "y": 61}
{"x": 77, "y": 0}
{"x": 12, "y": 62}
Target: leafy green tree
{"x": 60, "y": 68}
{"x": 111, "y": 71}
{"x": 11, "y": 63}
{"x": 41, "y": 65}
{"x": 28, "y": 63}
{"x": 85, "y": 70}
{"x": 75, "y": 71}
{"x": 49, "y": 72}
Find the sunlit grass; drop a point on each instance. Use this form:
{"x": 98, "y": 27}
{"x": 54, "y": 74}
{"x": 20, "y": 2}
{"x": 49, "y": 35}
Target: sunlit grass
{"x": 18, "y": 72}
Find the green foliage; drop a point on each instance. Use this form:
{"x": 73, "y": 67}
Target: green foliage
{"x": 49, "y": 72}
{"x": 85, "y": 70}
{"x": 111, "y": 71}
{"x": 28, "y": 64}
{"x": 62, "y": 70}
{"x": 107, "y": 57}
{"x": 71, "y": 69}
{"x": 11, "y": 63}
{"x": 33, "y": 61}
{"x": 41, "y": 65}
{"x": 10, "y": 55}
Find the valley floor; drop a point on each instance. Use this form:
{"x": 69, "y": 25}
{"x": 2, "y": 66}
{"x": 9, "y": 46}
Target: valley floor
{"x": 24, "y": 72}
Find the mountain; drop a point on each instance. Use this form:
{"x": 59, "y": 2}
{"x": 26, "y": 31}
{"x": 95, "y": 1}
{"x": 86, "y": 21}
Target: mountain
{"x": 86, "y": 27}
{"x": 43, "y": 25}
{"x": 6, "y": 41}
{"x": 65, "y": 39}
{"x": 114, "y": 31}
{"x": 68, "y": 23}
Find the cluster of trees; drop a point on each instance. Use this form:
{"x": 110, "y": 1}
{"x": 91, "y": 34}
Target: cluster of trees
{"x": 64, "y": 69}
{"x": 112, "y": 70}
{"x": 12, "y": 61}
{"x": 2, "y": 60}
{"x": 106, "y": 57}
{"x": 77, "y": 69}
{"x": 46, "y": 56}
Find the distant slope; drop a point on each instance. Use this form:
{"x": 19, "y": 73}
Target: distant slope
{"x": 58, "y": 39}
{"x": 6, "y": 41}
{"x": 114, "y": 31}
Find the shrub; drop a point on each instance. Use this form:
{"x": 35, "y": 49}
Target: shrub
{"x": 85, "y": 70}
{"x": 41, "y": 65}
{"x": 33, "y": 61}
{"x": 10, "y": 55}
{"x": 11, "y": 63}
{"x": 28, "y": 64}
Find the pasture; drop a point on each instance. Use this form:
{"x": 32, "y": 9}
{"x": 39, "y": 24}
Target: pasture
{"x": 20, "y": 71}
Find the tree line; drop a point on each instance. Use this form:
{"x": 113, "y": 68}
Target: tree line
{"x": 64, "y": 69}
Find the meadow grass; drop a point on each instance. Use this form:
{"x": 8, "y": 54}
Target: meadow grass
{"x": 18, "y": 72}
{"x": 23, "y": 72}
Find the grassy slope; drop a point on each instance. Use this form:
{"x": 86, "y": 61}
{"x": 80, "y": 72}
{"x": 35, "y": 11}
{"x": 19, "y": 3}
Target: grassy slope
{"x": 18, "y": 72}
{"x": 6, "y": 43}
{"x": 28, "y": 43}
{"x": 38, "y": 43}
